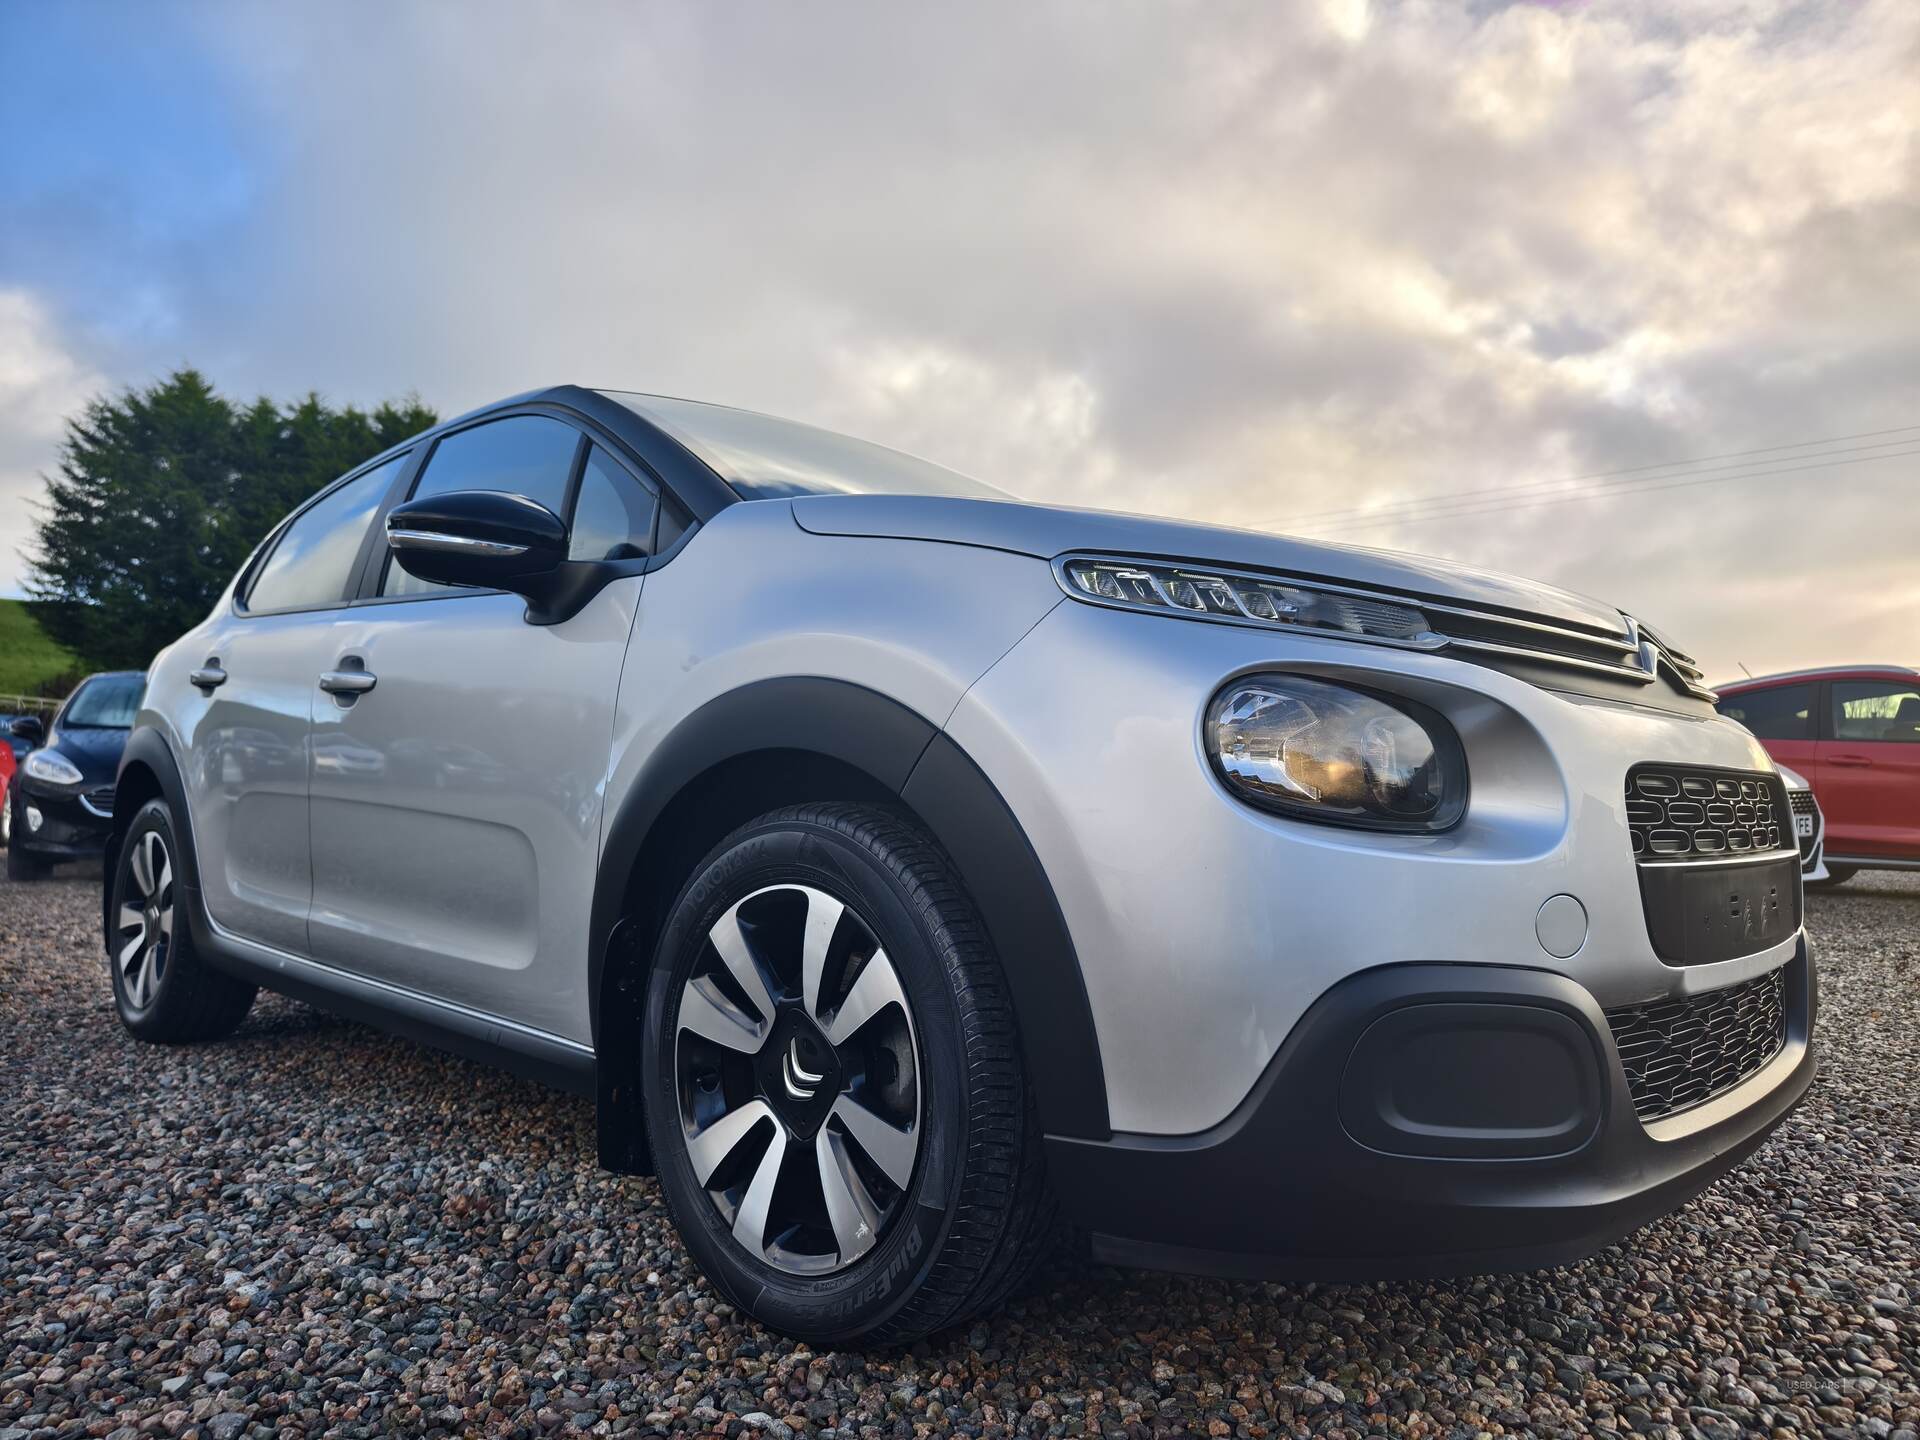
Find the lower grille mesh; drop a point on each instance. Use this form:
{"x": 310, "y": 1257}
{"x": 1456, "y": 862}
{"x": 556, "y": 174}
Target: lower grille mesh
{"x": 1682, "y": 1053}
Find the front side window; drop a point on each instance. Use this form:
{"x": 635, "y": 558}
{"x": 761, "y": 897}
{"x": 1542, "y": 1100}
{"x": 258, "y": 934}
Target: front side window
{"x": 1784, "y": 712}
{"x": 1877, "y": 710}
{"x": 613, "y": 515}
{"x": 312, "y": 561}
{"x": 106, "y": 702}
{"x": 528, "y": 455}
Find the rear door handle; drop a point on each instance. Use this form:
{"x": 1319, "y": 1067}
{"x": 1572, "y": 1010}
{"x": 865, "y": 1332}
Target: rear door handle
{"x": 1855, "y": 761}
{"x": 346, "y": 682}
{"x": 209, "y": 676}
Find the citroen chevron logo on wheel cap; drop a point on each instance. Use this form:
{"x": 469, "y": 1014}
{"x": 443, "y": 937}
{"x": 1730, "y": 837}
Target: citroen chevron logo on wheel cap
{"x": 800, "y": 1081}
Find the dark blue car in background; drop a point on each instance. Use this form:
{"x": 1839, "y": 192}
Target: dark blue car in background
{"x": 62, "y": 791}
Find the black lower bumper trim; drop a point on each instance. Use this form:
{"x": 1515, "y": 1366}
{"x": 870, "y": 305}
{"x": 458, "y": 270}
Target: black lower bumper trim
{"x": 1283, "y": 1190}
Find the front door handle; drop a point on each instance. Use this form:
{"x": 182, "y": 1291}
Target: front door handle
{"x": 1851, "y": 761}
{"x": 209, "y": 676}
{"x": 346, "y": 682}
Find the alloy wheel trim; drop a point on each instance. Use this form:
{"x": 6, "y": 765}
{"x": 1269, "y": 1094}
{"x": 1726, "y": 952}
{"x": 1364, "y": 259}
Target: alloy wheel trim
{"x": 143, "y": 932}
{"x": 850, "y": 1136}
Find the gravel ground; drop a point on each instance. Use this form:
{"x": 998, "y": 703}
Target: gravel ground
{"x": 313, "y": 1228}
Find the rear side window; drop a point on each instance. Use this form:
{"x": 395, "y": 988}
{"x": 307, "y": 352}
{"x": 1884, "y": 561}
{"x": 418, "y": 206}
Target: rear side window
{"x": 1784, "y": 712}
{"x": 528, "y": 455}
{"x": 313, "y": 558}
{"x": 1876, "y": 710}
{"x": 613, "y": 516}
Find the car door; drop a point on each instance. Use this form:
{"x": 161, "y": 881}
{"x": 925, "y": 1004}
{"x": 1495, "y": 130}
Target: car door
{"x": 456, "y": 800}
{"x": 245, "y": 724}
{"x": 1870, "y": 769}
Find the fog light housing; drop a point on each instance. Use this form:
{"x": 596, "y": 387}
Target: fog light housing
{"x": 1314, "y": 750}
{"x": 34, "y": 818}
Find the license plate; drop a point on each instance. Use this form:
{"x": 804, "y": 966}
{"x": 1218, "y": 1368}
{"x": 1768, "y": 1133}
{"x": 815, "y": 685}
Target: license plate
{"x": 1700, "y": 914}
{"x": 1803, "y": 826}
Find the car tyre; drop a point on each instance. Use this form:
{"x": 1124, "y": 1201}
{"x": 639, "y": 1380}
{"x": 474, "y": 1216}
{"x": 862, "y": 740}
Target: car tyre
{"x": 162, "y": 987}
{"x": 906, "y": 1191}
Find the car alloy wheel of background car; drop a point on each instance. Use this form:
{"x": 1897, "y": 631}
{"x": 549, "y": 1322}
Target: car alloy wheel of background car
{"x": 830, "y": 1038}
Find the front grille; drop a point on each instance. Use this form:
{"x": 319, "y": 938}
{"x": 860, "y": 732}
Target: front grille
{"x": 1630, "y": 653}
{"x": 1678, "y": 813}
{"x": 1682, "y": 1053}
{"x": 1801, "y": 803}
{"x": 99, "y": 801}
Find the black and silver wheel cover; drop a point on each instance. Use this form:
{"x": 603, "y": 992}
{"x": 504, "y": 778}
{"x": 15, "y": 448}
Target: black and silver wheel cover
{"x": 143, "y": 921}
{"x": 798, "y": 1077}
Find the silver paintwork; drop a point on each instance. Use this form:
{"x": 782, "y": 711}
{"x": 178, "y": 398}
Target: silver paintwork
{"x": 457, "y": 812}
{"x": 456, "y": 809}
{"x": 1206, "y": 927}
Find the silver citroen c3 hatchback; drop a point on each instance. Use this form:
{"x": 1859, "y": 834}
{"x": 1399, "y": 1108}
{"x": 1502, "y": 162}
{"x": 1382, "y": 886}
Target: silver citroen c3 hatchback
{"x": 905, "y": 869}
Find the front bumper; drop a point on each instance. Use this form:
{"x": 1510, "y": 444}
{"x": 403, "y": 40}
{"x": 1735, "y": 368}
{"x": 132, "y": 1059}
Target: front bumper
{"x": 68, "y": 829}
{"x": 1527, "y": 1153}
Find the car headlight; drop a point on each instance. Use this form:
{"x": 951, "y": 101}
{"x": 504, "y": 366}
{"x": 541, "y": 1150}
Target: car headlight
{"x": 52, "y": 767}
{"x": 1195, "y": 593}
{"x": 1319, "y": 751}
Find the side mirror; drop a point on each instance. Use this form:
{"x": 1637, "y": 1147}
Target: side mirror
{"x": 30, "y": 728}
{"x": 485, "y": 538}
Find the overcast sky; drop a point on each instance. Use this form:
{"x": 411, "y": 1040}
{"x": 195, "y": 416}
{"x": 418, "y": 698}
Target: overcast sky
{"x": 1279, "y": 266}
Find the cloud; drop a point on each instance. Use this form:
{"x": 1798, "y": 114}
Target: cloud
{"x": 41, "y": 384}
{"x": 1233, "y": 262}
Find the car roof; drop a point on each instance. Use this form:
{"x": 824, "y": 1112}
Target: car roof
{"x": 1821, "y": 672}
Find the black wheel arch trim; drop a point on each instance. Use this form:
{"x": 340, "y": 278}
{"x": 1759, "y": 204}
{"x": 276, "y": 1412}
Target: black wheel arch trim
{"x": 904, "y": 753}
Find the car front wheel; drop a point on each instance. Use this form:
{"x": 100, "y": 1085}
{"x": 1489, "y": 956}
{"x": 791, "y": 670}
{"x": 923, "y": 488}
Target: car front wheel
{"x": 836, "y": 1101}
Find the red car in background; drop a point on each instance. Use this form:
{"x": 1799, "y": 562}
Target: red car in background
{"x": 1854, "y": 732}
{"x": 7, "y": 765}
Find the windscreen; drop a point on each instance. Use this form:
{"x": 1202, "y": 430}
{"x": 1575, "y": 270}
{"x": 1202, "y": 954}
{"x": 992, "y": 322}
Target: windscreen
{"x": 106, "y": 702}
{"x": 763, "y": 457}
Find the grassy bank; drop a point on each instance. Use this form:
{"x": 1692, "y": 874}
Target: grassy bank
{"x": 29, "y": 658}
